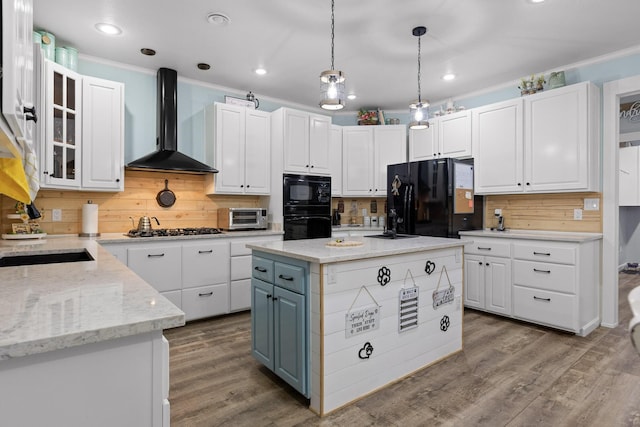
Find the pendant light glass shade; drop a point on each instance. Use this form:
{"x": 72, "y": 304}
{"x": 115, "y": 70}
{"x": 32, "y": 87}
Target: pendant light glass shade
{"x": 419, "y": 110}
{"x": 332, "y": 81}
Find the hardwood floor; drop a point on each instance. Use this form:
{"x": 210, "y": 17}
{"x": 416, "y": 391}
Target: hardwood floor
{"x": 509, "y": 374}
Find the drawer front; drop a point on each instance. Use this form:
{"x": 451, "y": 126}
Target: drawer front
{"x": 160, "y": 266}
{"x": 241, "y": 267}
{"x": 489, "y": 247}
{"x": 552, "y": 252}
{"x": 552, "y": 277}
{"x": 546, "y": 307}
{"x": 205, "y": 301}
{"x": 240, "y": 248}
{"x": 205, "y": 263}
{"x": 240, "y": 295}
{"x": 262, "y": 269}
{"x": 291, "y": 277}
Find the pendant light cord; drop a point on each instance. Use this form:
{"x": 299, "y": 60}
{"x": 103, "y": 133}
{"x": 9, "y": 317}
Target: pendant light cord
{"x": 332, "y": 30}
{"x": 419, "y": 99}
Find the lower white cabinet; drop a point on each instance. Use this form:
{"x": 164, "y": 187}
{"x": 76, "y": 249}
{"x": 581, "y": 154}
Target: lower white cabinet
{"x": 203, "y": 277}
{"x": 551, "y": 282}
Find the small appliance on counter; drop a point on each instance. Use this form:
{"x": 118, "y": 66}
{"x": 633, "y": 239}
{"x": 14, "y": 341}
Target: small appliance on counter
{"x": 433, "y": 197}
{"x": 242, "y": 219}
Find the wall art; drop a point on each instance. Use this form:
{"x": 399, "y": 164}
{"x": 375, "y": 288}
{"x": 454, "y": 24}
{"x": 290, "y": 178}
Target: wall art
{"x": 445, "y": 323}
{"x": 384, "y": 276}
{"x": 408, "y": 313}
{"x": 429, "y": 267}
{"x": 363, "y": 319}
{"x": 366, "y": 351}
{"x": 446, "y": 295}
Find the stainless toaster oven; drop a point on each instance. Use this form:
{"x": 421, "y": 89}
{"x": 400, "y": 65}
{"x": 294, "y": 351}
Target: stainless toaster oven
{"x": 242, "y": 218}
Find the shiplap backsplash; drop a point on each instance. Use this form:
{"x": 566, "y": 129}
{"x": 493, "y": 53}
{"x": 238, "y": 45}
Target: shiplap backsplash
{"x": 193, "y": 208}
{"x": 548, "y": 212}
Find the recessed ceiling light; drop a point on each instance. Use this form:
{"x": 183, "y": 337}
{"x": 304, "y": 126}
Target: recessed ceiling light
{"x": 218, "y": 18}
{"x": 108, "y": 29}
{"x": 261, "y": 71}
{"x": 449, "y": 76}
{"x": 204, "y": 66}
{"x": 147, "y": 51}
{"x": 536, "y": 1}
{"x": 352, "y": 97}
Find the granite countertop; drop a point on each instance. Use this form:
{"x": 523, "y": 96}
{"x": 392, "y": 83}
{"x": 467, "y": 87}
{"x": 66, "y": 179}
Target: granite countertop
{"x": 54, "y": 306}
{"x": 558, "y": 236}
{"x": 316, "y": 250}
{"x": 123, "y": 238}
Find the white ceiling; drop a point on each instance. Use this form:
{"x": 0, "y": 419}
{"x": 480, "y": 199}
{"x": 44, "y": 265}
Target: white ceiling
{"x": 484, "y": 42}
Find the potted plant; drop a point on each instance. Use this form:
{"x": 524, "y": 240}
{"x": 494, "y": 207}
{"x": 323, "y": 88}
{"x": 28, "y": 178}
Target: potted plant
{"x": 539, "y": 82}
{"x": 523, "y": 87}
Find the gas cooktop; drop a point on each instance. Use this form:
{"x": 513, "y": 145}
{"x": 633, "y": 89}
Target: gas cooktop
{"x": 162, "y": 232}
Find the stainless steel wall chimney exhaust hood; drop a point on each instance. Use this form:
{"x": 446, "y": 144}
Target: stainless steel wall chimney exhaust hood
{"x": 167, "y": 157}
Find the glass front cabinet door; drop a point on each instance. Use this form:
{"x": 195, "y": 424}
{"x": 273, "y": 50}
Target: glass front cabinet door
{"x": 63, "y": 127}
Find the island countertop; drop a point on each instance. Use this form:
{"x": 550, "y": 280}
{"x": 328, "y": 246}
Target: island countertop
{"x": 317, "y": 250}
{"x": 54, "y": 306}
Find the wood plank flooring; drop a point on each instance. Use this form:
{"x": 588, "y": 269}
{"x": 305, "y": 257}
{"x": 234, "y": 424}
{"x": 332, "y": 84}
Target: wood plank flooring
{"x": 509, "y": 374}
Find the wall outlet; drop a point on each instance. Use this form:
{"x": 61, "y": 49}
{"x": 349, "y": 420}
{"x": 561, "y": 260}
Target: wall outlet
{"x": 577, "y": 214}
{"x": 591, "y": 204}
{"x": 56, "y": 215}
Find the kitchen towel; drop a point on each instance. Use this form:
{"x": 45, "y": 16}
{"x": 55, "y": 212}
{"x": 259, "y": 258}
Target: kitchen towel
{"x": 30, "y": 164}
{"x": 89, "y": 219}
{"x": 13, "y": 181}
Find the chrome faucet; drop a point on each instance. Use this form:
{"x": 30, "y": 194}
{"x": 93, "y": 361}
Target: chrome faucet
{"x": 393, "y": 222}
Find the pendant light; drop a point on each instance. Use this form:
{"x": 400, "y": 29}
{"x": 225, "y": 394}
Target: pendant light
{"x": 419, "y": 110}
{"x": 332, "y": 81}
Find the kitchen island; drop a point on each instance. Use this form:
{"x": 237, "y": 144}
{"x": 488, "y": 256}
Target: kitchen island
{"x": 339, "y": 322}
{"x": 81, "y": 342}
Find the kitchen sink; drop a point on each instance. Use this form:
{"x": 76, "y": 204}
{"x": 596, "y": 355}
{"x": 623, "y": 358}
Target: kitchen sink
{"x": 15, "y": 260}
{"x": 390, "y": 236}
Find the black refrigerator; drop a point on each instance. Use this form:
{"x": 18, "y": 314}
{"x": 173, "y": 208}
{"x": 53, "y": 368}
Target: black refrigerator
{"x": 433, "y": 197}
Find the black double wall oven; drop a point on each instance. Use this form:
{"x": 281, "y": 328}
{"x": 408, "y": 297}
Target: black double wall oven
{"x": 306, "y": 206}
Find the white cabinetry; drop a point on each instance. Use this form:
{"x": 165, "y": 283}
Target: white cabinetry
{"x": 560, "y": 149}
{"x": 367, "y": 151}
{"x": 447, "y": 136}
{"x": 306, "y": 139}
{"x": 17, "y": 77}
{"x": 83, "y": 138}
{"x": 335, "y": 148}
{"x": 629, "y": 182}
{"x": 239, "y": 146}
{"x": 487, "y": 275}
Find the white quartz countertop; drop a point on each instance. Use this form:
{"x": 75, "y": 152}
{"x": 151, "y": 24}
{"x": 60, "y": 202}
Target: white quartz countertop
{"x": 316, "y": 250}
{"x": 535, "y": 235}
{"x": 53, "y": 306}
{"x": 123, "y": 238}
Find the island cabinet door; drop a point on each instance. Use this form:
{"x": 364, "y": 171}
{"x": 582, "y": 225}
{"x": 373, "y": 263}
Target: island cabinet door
{"x": 289, "y": 324}
{"x": 262, "y": 322}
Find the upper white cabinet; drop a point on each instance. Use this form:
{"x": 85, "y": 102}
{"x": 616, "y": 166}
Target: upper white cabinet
{"x": 335, "y": 147}
{"x": 629, "y": 181}
{"x": 82, "y": 145}
{"x": 306, "y": 139}
{"x": 17, "y": 77}
{"x": 547, "y": 142}
{"x": 102, "y": 134}
{"x": 239, "y": 146}
{"x": 446, "y": 136}
{"x": 367, "y": 151}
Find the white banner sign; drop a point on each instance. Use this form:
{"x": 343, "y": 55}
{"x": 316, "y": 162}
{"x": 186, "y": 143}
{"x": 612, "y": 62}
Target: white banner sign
{"x": 362, "y": 320}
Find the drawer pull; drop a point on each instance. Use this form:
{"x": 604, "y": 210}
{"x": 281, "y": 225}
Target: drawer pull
{"x": 542, "y": 271}
{"x": 480, "y": 248}
{"x": 260, "y": 269}
{"x": 205, "y": 294}
{"x": 154, "y": 255}
{"x": 210, "y": 251}
{"x": 542, "y": 299}
{"x": 542, "y": 253}
{"x": 283, "y": 277}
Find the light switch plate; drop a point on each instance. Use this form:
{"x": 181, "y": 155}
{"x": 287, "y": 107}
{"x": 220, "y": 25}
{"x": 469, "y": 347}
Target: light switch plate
{"x": 56, "y": 215}
{"x": 577, "y": 214}
{"x": 591, "y": 204}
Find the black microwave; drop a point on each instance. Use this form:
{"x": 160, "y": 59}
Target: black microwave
{"x": 306, "y": 190}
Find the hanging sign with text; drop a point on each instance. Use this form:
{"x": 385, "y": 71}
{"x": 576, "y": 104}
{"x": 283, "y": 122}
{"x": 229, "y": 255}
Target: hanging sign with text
{"x": 362, "y": 320}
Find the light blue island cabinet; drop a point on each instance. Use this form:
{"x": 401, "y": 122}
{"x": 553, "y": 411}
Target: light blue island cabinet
{"x": 339, "y": 322}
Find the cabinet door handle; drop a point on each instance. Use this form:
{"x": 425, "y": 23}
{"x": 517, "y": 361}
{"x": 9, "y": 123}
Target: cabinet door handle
{"x": 480, "y": 263}
{"x": 260, "y": 269}
{"x": 289, "y": 278}
{"x": 269, "y": 296}
{"x": 519, "y": 184}
{"x": 154, "y": 255}
{"x": 30, "y": 113}
{"x": 311, "y": 165}
{"x": 480, "y": 248}
{"x": 487, "y": 264}
{"x": 210, "y": 251}
{"x": 542, "y": 271}
{"x": 205, "y": 294}
{"x": 542, "y": 299}
{"x": 275, "y": 298}
{"x": 542, "y": 253}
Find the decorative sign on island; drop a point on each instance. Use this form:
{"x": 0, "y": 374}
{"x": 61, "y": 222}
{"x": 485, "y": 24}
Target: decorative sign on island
{"x": 363, "y": 319}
